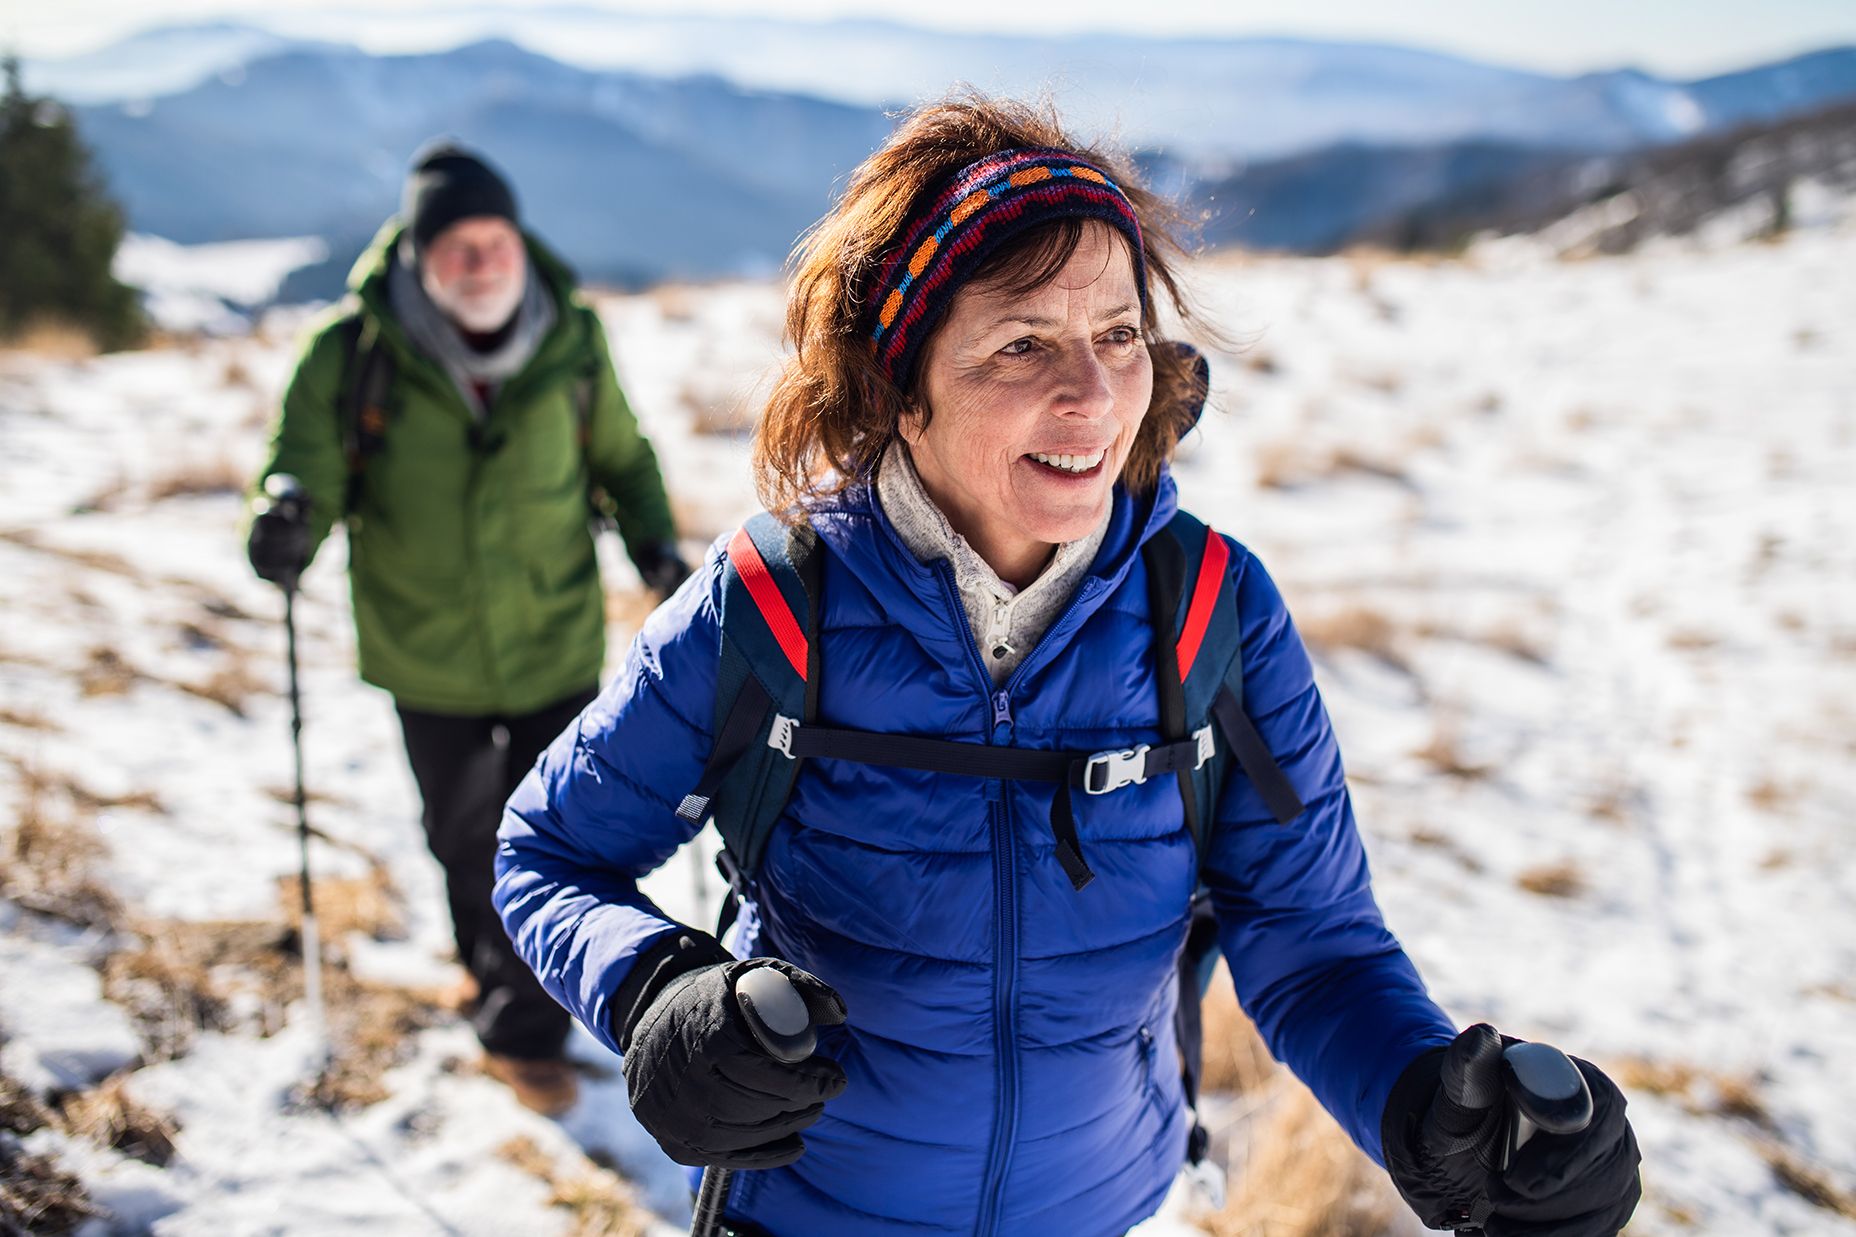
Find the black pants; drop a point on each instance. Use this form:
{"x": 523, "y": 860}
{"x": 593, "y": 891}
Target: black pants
{"x": 466, "y": 768}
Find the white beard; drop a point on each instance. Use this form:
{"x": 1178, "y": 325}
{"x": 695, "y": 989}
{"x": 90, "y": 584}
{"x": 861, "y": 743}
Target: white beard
{"x": 480, "y": 312}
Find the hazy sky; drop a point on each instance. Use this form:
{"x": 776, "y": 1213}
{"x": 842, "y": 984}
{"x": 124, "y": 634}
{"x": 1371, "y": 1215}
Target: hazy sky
{"x": 1674, "y": 37}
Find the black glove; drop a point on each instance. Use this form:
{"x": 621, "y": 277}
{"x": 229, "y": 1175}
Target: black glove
{"x": 661, "y": 567}
{"x": 1443, "y": 1154}
{"x": 698, "y": 1079}
{"x": 278, "y": 545}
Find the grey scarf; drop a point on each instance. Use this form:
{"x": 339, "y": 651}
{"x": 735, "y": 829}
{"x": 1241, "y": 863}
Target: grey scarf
{"x": 435, "y": 335}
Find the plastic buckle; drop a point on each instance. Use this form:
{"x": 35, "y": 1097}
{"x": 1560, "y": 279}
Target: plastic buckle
{"x": 1106, "y": 771}
{"x": 1203, "y": 737}
{"x": 780, "y": 738}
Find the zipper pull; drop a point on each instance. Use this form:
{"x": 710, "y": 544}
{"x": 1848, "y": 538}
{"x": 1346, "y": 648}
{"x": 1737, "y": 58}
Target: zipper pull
{"x": 1001, "y": 709}
{"x": 1001, "y": 628}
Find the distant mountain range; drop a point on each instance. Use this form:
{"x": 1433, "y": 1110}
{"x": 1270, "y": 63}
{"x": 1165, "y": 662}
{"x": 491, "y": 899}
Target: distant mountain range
{"x": 223, "y": 131}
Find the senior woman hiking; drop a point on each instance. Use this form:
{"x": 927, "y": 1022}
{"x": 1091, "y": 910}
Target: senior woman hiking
{"x": 975, "y": 717}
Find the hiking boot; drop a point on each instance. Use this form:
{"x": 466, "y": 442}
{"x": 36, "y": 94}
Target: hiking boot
{"x": 549, "y": 1086}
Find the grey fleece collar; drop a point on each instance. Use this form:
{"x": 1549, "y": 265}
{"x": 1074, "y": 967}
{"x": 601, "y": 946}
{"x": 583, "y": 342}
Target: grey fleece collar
{"x": 1007, "y": 622}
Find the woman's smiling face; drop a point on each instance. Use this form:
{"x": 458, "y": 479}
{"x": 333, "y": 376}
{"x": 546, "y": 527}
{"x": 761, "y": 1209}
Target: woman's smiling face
{"x": 1034, "y": 400}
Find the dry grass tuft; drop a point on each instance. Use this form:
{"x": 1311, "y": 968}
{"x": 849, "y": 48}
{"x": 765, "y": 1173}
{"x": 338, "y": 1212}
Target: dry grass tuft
{"x": 371, "y": 1027}
{"x": 1807, "y": 1181}
{"x": 106, "y": 673}
{"x": 1355, "y": 627}
{"x": 20, "y": 719}
{"x": 1614, "y": 803}
{"x": 95, "y": 801}
{"x": 53, "y": 864}
{"x": 232, "y": 685}
{"x": 20, "y": 1110}
{"x": 712, "y": 414}
{"x": 1280, "y": 465}
{"x": 96, "y": 560}
{"x": 1669, "y": 1079}
{"x": 1436, "y": 839}
{"x": 236, "y": 373}
{"x": 1704, "y": 1093}
{"x": 52, "y": 340}
{"x": 1353, "y": 460}
{"x": 1235, "y": 1059}
{"x": 1444, "y": 754}
{"x": 1690, "y": 641}
{"x": 37, "y": 1197}
{"x": 366, "y": 904}
{"x": 1738, "y": 1096}
{"x": 215, "y": 474}
{"x": 1289, "y": 465}
{"x": 109, "y": 1117}
{"x": 219, "y": 607}
{"x": 179, "y": 979}
{"x": 527, "y": 1156}
{"x": 1554, "y": 880}
{"x": 1769, "y": 796}
{"x": 596, "y": 1200}
{"x": 1511, "y": 639}
{"x": 1301, "y": 1177}
{"x": 286, "y": 795}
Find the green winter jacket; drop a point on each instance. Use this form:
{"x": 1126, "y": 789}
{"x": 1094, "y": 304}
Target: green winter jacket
{"x": 475, "y": 585}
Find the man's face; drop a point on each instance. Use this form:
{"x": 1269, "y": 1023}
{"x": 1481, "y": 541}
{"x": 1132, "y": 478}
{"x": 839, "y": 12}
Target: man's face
{"x": 475, "y": 271}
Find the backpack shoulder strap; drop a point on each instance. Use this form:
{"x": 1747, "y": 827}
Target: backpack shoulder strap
{"x": 367, "y": 376}
{"x": 586, "y": 397}
{"x": 1200, "y": 666}
{"x": 767, "y": 680}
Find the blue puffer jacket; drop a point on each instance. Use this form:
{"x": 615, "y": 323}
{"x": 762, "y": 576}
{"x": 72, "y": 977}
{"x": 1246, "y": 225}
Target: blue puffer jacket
{"x": 1010, "y": 1051}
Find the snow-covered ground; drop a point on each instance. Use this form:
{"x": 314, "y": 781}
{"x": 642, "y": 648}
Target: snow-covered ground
{"x": 206, "y": 288}
{"x": 1574, "y": 541}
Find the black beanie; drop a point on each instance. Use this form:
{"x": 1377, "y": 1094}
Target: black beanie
{"x": 448, "y": 183}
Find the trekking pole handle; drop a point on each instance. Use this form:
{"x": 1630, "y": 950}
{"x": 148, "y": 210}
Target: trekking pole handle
{"x": 780, "y": 1024}
{"x": 285, "y": 495}
{"x": 1545, "y": 1091}
{"x": 776, "y": 1015}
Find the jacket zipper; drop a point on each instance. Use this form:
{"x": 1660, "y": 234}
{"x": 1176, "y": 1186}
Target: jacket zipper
{"x": 1005, "y": 940}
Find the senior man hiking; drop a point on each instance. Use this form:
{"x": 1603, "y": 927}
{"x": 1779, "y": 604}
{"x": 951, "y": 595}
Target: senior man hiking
{"x": 460, "y": 413}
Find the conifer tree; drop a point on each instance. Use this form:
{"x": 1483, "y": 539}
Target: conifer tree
{"x": 59, "y": 229}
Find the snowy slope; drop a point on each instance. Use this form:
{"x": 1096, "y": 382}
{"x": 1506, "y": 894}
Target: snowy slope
{"x": 1573, "y": 541}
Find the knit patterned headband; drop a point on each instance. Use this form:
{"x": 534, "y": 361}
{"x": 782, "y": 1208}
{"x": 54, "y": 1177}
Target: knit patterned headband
{"x": 987, "y": 203}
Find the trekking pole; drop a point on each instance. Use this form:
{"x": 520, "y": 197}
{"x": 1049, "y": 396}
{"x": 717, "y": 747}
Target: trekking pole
{"x": 778, "y": 1018}
{"x": 286, "y": 496}
{"x": 1545, "y": 1091}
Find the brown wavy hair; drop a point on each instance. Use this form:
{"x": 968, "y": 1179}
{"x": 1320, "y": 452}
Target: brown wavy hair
{"x": 832, "y": 412}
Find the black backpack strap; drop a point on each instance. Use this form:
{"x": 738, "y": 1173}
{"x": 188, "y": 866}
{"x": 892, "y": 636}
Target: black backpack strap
{"x": 1199, "y": 668}
{"x": 1254, "y": 755}
{"x": 1166, "y": 587}
{"x": 367, "y": 377}
{"x": 768, "y": 671}
{"x": 586, "y": 396}
{"x": 1206, "y": 660}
